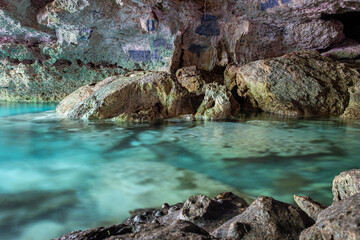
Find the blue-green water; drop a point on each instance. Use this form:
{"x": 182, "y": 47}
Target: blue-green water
{"x": 59, "y": 175}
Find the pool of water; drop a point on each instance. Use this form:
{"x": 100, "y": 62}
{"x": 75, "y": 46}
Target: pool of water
{"x": 59, "y": 175}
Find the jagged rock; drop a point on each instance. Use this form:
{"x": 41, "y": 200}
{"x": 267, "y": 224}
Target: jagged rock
{"x": 178, "y": 229}
{"x": 156, "y": 35}
{"x": 191, "y": 79}
{"x": 311, "y": 207}
{"x": 142, "y": 95}
{"x": 98, "y": 233}
{"x": 199, "y": 207}
{"x": 353, "y": 110}
{"x": 218, "y": 103}
{"x": 346, "y": 184}
{"x": 349, "y": 51}
{"x": 340, "y": 221}
{"x": 299, "y": 83}
{"x": 266, "y": 218}
{"x": 230, "y": 76}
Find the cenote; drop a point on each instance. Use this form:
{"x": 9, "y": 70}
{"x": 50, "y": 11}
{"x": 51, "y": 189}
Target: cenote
{"x": 60, "y": 175}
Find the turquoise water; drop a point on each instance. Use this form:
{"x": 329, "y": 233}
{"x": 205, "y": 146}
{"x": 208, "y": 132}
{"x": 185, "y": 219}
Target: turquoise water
{"x": 59, "y": 175}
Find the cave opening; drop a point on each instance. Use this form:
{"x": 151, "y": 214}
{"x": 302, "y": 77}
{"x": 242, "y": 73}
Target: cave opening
{"x": 351, "y": 22}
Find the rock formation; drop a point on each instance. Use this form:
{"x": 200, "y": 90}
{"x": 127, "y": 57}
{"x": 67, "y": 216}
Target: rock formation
{"x": 228, "y": 216}
{"x": 49, "y": 48}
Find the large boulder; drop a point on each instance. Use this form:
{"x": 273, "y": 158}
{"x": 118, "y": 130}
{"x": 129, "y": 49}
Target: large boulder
{"x": 138, "y": 96}
{"x": 340, "y": 221}
{"x": 299, "y": 83}
{"x": 266, "y": 218}
{"x": 346, "y": 184}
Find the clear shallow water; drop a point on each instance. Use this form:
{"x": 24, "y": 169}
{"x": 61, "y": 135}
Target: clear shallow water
{"x": 59, "y": 175}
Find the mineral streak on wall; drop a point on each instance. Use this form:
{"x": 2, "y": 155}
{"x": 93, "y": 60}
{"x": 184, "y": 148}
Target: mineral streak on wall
{"x": 50, "y": 48}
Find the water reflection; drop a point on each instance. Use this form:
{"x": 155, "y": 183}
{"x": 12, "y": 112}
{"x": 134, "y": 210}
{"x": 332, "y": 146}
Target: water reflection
{"x": 64, "y": 175}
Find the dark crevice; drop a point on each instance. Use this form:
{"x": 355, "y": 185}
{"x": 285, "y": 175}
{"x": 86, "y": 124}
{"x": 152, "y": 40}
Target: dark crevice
{"x": 351, "y": 22}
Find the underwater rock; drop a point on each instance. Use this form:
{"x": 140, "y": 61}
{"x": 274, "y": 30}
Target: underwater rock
{"x": 139, "y": 96}
{"x": 340, "y": 221}
{"x": 218, "y": 103}
{"x": 346, "y": 184}
{"x": 299, "y": 83}
{"x": 311, "y": 207}
{"x": 266, "y": 218}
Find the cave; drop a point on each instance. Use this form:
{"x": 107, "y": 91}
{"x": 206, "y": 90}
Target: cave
{"x": 351, "y": 22}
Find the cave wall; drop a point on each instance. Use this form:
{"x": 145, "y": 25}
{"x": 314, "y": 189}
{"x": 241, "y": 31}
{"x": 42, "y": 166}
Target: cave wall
{"x": 48, "y": 48}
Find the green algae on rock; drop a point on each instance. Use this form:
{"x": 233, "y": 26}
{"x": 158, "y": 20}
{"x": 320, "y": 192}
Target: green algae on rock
{"x": 299, "y": 83}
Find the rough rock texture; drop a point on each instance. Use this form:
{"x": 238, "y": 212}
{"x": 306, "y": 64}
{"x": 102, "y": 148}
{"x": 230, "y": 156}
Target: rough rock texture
{"x": 266, "y": 218}
{"x": 299, "y": 83}
{"x": 191, "y": 79}
{"x": 340, "y": 221}
{"x": 218, "y": 103}
{"x": 346, "y": 184}
{"x": 353, "y": 110}
{"x": 139, "y": 96}
{"x": 349, "y": 51}
{"x": 101, "y": 38}
{"x": 311, "y": 207}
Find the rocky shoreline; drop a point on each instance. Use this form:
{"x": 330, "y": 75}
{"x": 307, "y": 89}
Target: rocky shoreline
{"x": 228, "y": 216}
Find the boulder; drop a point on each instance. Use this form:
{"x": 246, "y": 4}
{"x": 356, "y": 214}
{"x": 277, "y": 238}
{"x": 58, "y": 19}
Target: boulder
{"x": 199, "y": 207}
{"x": 266, "y": 218}
{"x": 218, "y": 103}
{"x": 340, "y": 221}
{"x": 353, "y": 110}
{"x": 311, "y": 207}
{"x": 299, "y": 83}
{"x": 346, "y": 184}
{"x": 139, "y": 96}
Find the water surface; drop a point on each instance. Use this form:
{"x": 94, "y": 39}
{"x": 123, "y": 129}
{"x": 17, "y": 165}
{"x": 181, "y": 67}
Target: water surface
{"x": 59, "y": 175}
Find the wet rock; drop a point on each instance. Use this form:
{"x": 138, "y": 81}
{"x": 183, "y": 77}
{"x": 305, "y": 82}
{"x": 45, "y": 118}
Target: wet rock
{"x": 299, "y": 83}
{"x": 311, "y": 207}
{"x": 136, "y": 97}
{"x": 266, "y": 218}
{"x": 159, "y": 214}
{"x": 140, "y": 211}
{"x": 338, "y": 221}
{"x": 218, "y": 103}
{"x": 346, "y": 184}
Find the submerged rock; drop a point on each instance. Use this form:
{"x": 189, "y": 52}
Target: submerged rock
{"x": 311, "y": 207}
{"x": 266, "y": 218}
{"x": 139, "y": 96}
{"x": 300, "y": 83}
{"x": 346, "y": 184}
{"x": 340, "y": 221}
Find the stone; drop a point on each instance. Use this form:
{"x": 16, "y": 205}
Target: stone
{"x": 346, "y": 184}
{"x": 353, "y": 110}
{"x": 159, "y": 36}
{"x": 218, "y": 103}
{"x": 191, "y": 79}
{"x": 140, "y": 96}
{"x": 199, "y": 207}
{"x": 311, "y": 207}
{"x": 266, "y": 218}
{"x": 299, "y": 83}
{"x": 230, "y": 76}
{"x": 340, "y": 221}
{"x": 348, "y": 51}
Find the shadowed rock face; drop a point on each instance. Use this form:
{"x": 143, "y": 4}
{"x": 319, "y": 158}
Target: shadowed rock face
{"x": 110, "y": 37}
